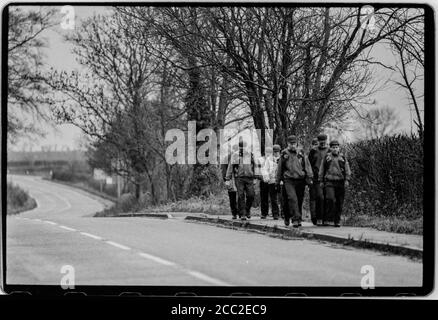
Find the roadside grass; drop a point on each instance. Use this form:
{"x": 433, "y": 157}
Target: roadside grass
{"x": 126, "y": 203}
{"x": 218, "y": 204}
{"x": 389, "y": 224}
{"x": 215, "y": 205}
{"x": 18, "y": 200}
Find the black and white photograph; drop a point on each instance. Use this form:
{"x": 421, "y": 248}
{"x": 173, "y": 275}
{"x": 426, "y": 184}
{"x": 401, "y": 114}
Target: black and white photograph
{"x": 216, "y": 145}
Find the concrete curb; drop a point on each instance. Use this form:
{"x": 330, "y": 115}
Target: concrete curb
{"x": 140, "y": 215}
{"x": 294, "y": 233}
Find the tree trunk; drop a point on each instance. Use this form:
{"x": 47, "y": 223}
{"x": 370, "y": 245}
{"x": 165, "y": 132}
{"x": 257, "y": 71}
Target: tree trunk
{"x": 197, "y": 110}
{"x": 137, "y": 190}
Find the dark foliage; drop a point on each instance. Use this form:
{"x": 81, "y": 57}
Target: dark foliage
{"x": 387, "y": 177}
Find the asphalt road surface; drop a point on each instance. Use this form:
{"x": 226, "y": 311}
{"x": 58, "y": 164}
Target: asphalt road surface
{"x": 147, "y": 251}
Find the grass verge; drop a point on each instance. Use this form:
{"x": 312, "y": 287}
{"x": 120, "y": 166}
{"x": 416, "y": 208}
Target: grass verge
{"x": 215, "y": 205}
{"x": 392, "y": 224}
{"x": 218, "y": 205}
{"x": 18, "y": 200}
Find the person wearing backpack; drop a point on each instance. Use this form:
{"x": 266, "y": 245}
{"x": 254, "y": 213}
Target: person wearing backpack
{"x": 295, "y": 172}
{"x": 334, "y": 176}
{"x": 242, "y": 167}
{"x": 316, "y": 193}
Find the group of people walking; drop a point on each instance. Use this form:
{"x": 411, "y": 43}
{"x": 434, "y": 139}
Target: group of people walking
{"x": 284, "y": 175}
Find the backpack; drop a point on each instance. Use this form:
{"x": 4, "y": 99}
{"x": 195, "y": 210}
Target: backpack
{"x": 328, "y": 159}
{"x": 236, "y": 165}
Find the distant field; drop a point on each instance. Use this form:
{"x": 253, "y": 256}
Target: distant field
{"x": 32, "y": 156}
{"x": 41, "y": 162}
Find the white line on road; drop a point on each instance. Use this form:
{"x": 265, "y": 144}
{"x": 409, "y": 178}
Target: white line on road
{"x": 67, "y": 228}
{"x": 156, "y": 259}
{"x": 195, "y": 274}
{"x": 206, "y": 278}
{"x": 91, "y": 236}
{"x": 118, "y": 245}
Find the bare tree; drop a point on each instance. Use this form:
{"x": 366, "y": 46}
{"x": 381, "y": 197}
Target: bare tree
{"x": 26, "y": 26}
{"x": 292, "y": 78}
{"x": 110, "y": 103}
{"x": 409, "y": 47}
{"x": 380, "y": 122}
{"x": 206, "y": 92}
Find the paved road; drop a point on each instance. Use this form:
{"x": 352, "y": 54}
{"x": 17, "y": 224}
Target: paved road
{"x": 146, "y": 251}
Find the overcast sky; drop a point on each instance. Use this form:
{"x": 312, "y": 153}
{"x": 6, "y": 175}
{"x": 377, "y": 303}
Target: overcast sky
{"x": 59, "y": 56}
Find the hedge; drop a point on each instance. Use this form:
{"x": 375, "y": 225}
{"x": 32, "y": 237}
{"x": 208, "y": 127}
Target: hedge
{"x": 387, "y": 177}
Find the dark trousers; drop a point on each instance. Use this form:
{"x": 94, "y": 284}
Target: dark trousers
{"x": 283, "y": 201}
{"x": 335, "y": 193}
{"x": 317, "y": 195}
{"x": 295, "y": 195}
{"x": 245, "y": 194}
{"x": 312, "y": 201}
{"x": 232, "y": 195}
{"x": 268, "y": 192}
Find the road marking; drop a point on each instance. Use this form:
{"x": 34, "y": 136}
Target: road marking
{"x": 206, "y": 278}
{"x": 195, "y": 274}
{"x": 65, "y": 200}
{"x": 91, "y": 236}
{"x": 67, "y": 228}
{"x": 156, "y": 259}
{"x": 118, "y": 245}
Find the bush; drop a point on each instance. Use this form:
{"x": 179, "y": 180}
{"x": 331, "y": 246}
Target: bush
{"x": 387, "y": 179}
{"x": 214, "y": 204}
{"x": 68, "y": 175}
{"x": 126, "y": 204}
{"x": 18, "y": 200}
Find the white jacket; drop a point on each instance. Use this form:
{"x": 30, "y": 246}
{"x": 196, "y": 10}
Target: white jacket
{"x": 269, "y": 169}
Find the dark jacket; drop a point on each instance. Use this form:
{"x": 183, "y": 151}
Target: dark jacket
{"x": 316, "y": 156}
{"x": 293, "y": 165}
{"x": 224, "y": 167}
{"x": 334, "y": 168}
{"x": 242, "y": 165}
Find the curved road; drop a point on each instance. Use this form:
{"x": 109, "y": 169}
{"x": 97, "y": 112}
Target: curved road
{"x": 146, "y": 251}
